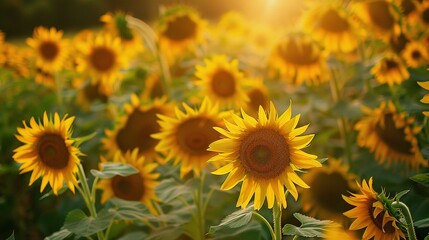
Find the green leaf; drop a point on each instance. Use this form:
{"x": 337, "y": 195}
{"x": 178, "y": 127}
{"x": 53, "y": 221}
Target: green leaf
{"x": 322, "y": 160}
{"x": 427, "y": 237}
{"x": 310, "y": 227}
{"x": 110, "y": 170}
{"x": 59, "y": 235}
{"x": 422, "y": 178}
{"x": 11, "y": 237}
{"x": 401, "y": 194}
{"x": 422, "y": 223}
{"x": 50, "y": 193}
{"x": 80, "y": 224}
{"x": 166, "y": 233}
{"x": 128, "y": 210}
{"x": 134, "y": 236}
{"x": 234, "y": 220}
{"x": 80, "y": 140}
{"x": 169, "y": 189}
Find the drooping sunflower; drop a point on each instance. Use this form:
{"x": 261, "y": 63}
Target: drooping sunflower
{"x": 333, "y": 27}
{"x": 390, "y": 135}
{"x": 425, "y": 99}
{"x": 390, "y": 69}
{"x": 371, "y": 215}
{"x": 299, "y": 59}
{"x": 222, "y": 81}
{"x": 50, "y": 48}
{"x": 415, "y": 54}
{"x": 322, "y": 200}
{"x": 135, "y": 128}
{"x": 259, "y": 95}
{"x": 137, "y": 187}
{"x": 48, "y": 152}
{"x": 264, "y": 154}
{"x": 186, "y": 137}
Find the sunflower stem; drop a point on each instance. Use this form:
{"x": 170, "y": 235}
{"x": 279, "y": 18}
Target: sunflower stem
{"x": 405, "y": 211}
{"x": 59, "y": 88}
{"x": 199, "y": 203}
{"x": 273, "y": 235}
{"x": 277, "y": 219}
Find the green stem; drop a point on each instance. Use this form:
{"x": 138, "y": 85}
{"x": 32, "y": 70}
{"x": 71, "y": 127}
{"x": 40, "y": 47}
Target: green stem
{"x": 273, "y": 235}
{"x": 106, "y": 234}
{"x": 59, "y": 88}
{"x": 277, "y": 219}
{"x": 200, "y": 210}
{"x": 405, "y": 211}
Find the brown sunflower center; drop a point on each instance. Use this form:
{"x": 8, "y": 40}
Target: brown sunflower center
{"x": 425, "y": 15}
{"x": 53, "y": 151}
{"x": 92, "y": 93}
{"x": 102, "y": 58}
{"x": 298, "y": 53}
{"x": 257, "y": 98}
{"x": 380, "y": 14}
{"x": 408, "y": 7}
{"x": 416, "y": 54}
{"x": 223, "y": 83}
{"x": 129, "y": 188}
{"x": 327, "y": 188}
{"x": 391, "y": 64}
{"x": 264, "y": 153}
{"x": 195, "y": 135}
{"x": 181, "y": 28}
{"x": 331, "y": 21}
{"x": 378, "y": 221}
{"x": 49, "y": 50}
{"x": 393, "y": 136}
{"x": 398, "y": 43}
{"x": 137, "y": 130}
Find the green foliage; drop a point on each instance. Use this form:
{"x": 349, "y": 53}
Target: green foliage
{"x": 11, "y": 237}
{"x": 422, "y": 223}
{"x": 421, "y": 178}
{"x": 310, "y": 227}
{"x": 59, "y": 235}
{"x": 110, "y": 170}
{"x": 77, "y": 222}
{"x": 236, "y": 219}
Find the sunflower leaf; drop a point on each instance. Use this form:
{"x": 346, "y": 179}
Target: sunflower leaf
{"x": 322, "y": 160}
{"x": 422, "y": 223}
{"x": 169, "y": 189}
{"x": 139, "y": 235}
{"x": 422, "y": 178}
{"x": 80, "y": 224}
{"x": 59, "y": 235}
{"x": 234, "y": 220}
{"x": 401, "y": 194}
{"x": 310, "y": 227}
{"x": 128, "y": 210}
{"x": 11, "y": 237}
{"x": 80, "y": 140}
{"x": 110, "y": 170}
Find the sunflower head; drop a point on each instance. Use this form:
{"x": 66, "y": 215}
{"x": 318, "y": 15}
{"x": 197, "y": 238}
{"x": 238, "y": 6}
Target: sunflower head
{"x": 88, "y": 92}
{"x": 409, "y": 10}
{"x": 264, "y": 154}
{"x": 49, "y": 152}
{"x": 425, "y": 99}
{"x": 137, "y": 187}
{"x": 424, "y": 13}
{"x": 258, "y": 94}
{"x": 416, "y": 54}
{"x": 398, "y": 42}
{"x": 371, "y": 215}
{"x": 390, "y": 69}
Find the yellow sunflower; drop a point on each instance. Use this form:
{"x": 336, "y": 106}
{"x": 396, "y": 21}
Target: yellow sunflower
{"x": 89, "y": 93}
{"x": 45, "y": 77}
{"x": 333, "y": 27}
{"x": 264, "y": 154}
{"x": 50, "y": 48}
{"x": 153, "y": 87}
{"x": 259, "y": 95}
{"x": 371, "y": 215}
{"x": 390, "y": 135}
{"x": 135, "y": 128}
{"x": 299, "y": 59}
{"x": 390, "y": 69}
{"x": 415, "y": 54}
{"x": 16, "y": 59}
{"x": 322, "y": 200}
{"x": 137, "y": 187}
{"x": 48, "y": 152}
{"x": 222, "y": 81}
{"x": 425, "y": 99}
{"x": 409, "y": 9}
{"x": 186, "y": 137}
{"x": 335, "y": 231}
{"x": 424, "y": 14}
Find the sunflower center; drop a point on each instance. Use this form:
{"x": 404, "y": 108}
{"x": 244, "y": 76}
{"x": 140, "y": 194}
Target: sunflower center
{"x": 49, "y": 50}
{"x": 300, "y": 54}
{"x": 416, "y": 55}
{"x": 92, "y": 93}
{"x": 223, "y": 83}
{"x": 398, "y": 43}
{"x": 195, "y": 135}
{"x": 53, "y": 151}
{"x": 407, "y": 7}
{"x": 181, "y": 28}
{"x": 425, "y": 15}
{"x": 257, "y": 98}
{"x": 378, "y": 221}
{"x": 137, "y": 130}
{"x": 380, "y": 14}
{"x": 327, "y": 196}
{"x": 391, "y": 64}
{"x": 264, "y": 153}
{"x": 102, "y": 58}
{"x": 393, "y": 136}
{"x": 331, "y": 21}
{"x": 129, "y": 188}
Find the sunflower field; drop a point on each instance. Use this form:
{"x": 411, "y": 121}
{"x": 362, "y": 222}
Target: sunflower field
{"x": 230, "y": 127}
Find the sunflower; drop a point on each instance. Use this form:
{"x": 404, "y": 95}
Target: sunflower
{"x": 398, "y": 42}
{"x": 335, "y": 231}
{"x": 50, "y": 48}
{"x": 258, "y": 95}
{"x": 153, "y": 87}
{"x": 323, "y": 200}
{"x": 390, "y": 135}
{"x": 299, "y": 59}
{"x": 15, "y": 59}
{"x": 410, "y": 10}
{"x": 48, "y": 152}
{"x": 137, "y": 187}
{"x": 371, "y": 215}
{"x": 425, "y": 99}
{"x": 89, "y": 93}
{"x": 415, "y": 54}
{"x": 187, "y": 136}
{"x": 332, "y": 26}
{"x": 390, "y": 69}
{"x": 264, "y": 154}
{"x": 222, "y": 81}
{"x": 134, "y": 129}
{"x": 45, "y": 77}
{"x": 424, "y": 14}
{"x": 2, "y": 46}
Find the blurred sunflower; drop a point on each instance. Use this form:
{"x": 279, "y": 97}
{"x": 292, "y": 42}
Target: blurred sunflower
{"x": 415, "y": 54}
{"x": 335, "y": 231}
{"x": 134, "y": 129}
{"x": 45, "y": 77}
{"x": 187, "y": 136}
{"x": 332, "y": 26}
{"x": 137, "y": 187}
{"x": 323, "y": 200}
{"x": 89, "y": 93}
{"x": 153, "y": 87}
{"x": 390, "y": 69}
{"x": 371, "y": 215}
{"x": 48, "y": 152}
{"x": 425, "y": 99}
{"x": 15, "y": 59}
{"x": 390, "y": 135}
{"x": 50, "y": 48}
{"x": 222, "y": 81}
{"x": 424, "y": 14}
{"x": 299, "y": 59}
{"x": 264, "y": 154}
{"x": 2, "y": 45}
{"x": 409, "y": 9}
{"x": 258, "y": 95}
{"x": 398, "y": 42}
